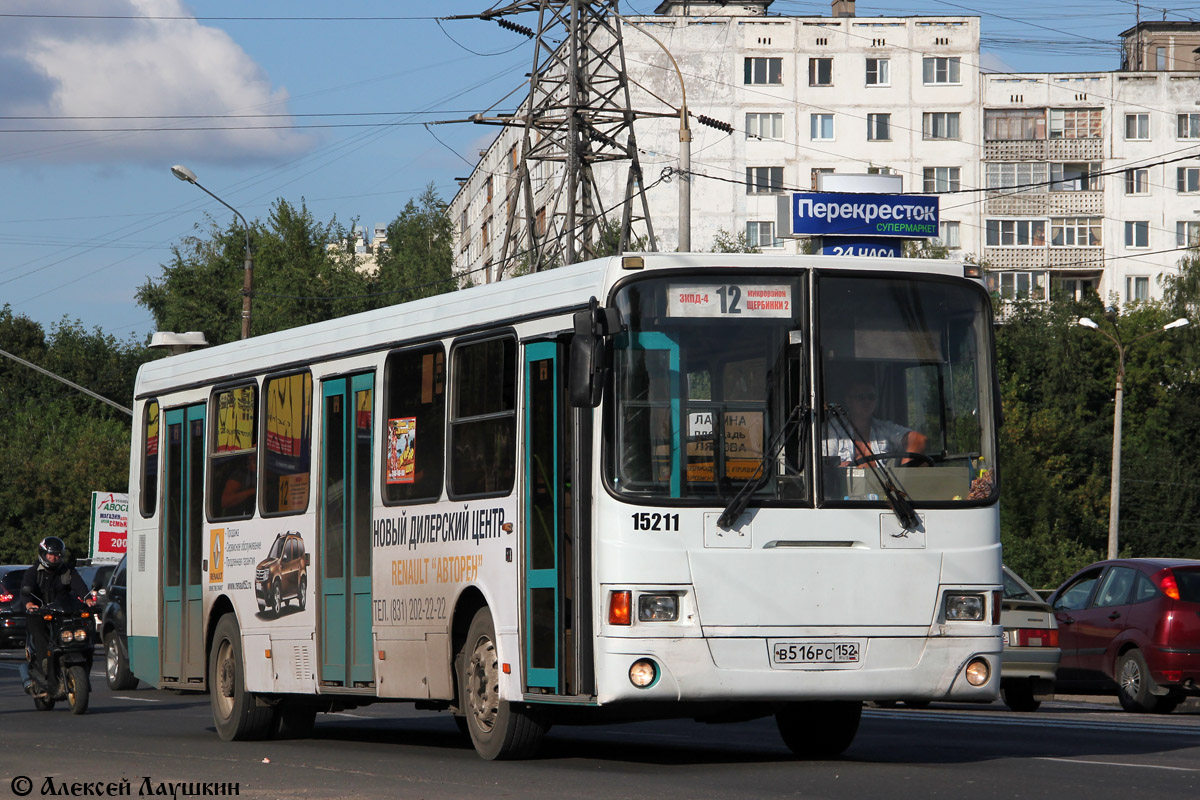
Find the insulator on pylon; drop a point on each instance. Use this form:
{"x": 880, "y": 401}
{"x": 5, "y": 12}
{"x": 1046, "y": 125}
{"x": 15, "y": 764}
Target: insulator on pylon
{"x": 714, "y": 123}
{"x": 512, "y": 26}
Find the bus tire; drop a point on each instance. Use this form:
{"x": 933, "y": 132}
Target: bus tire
{"x": 822, "y": 729}
{"x": 237, "y": 714}
{"x": 500, "y": 730}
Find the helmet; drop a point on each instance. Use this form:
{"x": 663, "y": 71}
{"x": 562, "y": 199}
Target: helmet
{"x": 52, "y": 553}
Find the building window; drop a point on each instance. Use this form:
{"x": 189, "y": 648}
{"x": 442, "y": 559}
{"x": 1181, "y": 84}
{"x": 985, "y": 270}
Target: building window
{"x": 941, "y": 179}
{"x": 1076, "y": 288}
{"x": 949, "y": 234}
{"x": 1187, "y": 179}
{"x": 763, "y": 71}
{"x": 1160, "y": 58}
{"x": 879, "y": 127}
{"x": 1187, "y": 234}
{"x": 483, "y": 418}
{"x": 821, "y": 126}
{"x": 940, "y": 69}
{"x": 488, "y": 185}
{"x": 1018, "y": 285}
{"x": 1015, "y": 233}
{"x": 1137, "y": 234}
{"x": 1017, "y": 124}
{"x": 816, "y": 174}
{"x": 762, "y": 234}
{"x": 1075, "y": 123}
{"x": 485, "y": 232}
{"x": 1188, "y": 126}
{"x": 1075, "y": 177}
{"x": 879, "y": 72}
{"x": 1028, "y": 176}
{"x": 940, "y": 125}
{"x": 764, "y": 126}
{"x": 1137, "y": 127}
{"x": 820, "y": 72}
{"x": 1137, "y": 181}
{"x": 1137, "y": 289}
{"x": 1075, "y": 232}
{"x": 539, "y": 222}
{"x": 764, "y": 180}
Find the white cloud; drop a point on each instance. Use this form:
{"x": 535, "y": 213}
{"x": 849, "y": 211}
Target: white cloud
{"x": 150, "y": 68}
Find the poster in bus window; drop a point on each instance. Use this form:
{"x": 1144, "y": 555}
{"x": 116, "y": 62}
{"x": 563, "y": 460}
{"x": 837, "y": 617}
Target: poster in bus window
{"x": 700, "y": 455}
{"x": 289, "y": 426}
{"x": 235, "y": 420}
{"x": 743, "y": 444}
{"x": 402, "y": 450}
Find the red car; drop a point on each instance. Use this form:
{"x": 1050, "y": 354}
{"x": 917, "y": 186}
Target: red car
{"x": 1133, "y": 623}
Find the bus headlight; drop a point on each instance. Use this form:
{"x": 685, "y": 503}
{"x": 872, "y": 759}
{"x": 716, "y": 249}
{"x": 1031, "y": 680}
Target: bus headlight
{"x": 658, "y": 608}
{"x": 643, "y": 673}
{"x": 964, "y": 607}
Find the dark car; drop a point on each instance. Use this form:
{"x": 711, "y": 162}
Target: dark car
{"x": 1131, "y": 625}
{"x": 283, "y": 574}
{"x": 12, "y": 613}
{"x": 114, "y": 605}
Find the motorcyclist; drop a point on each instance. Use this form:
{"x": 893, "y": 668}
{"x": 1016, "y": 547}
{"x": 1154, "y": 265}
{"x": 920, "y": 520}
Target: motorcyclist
{"x": 48, "y": 581}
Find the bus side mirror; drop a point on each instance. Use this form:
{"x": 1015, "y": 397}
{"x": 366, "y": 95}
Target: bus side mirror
{"x": 587, "y": 370}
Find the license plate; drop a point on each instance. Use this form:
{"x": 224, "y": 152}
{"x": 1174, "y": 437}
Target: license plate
{"x": 807, "y": 655}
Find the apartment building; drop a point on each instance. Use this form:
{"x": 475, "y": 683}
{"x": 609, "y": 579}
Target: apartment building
{"x": 805, "y": 95}
{"x": 1093, "y": 181}
{"x": 1059, "y": 182}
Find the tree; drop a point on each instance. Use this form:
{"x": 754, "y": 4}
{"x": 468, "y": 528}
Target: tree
{"x": 58, "y": 445}
{"x": 726, "y": 242}
{"x": 418, "y": 260}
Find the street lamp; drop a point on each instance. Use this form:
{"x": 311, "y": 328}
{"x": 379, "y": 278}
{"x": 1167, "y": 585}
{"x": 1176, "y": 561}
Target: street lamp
{"x": 186, "y": 175}
{"x": 1114, "y": 492}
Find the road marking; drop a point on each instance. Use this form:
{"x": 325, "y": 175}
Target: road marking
{"x": 1114, "y": 764}
{"x": 1041, "y": 721}
{"x": 136, "y": 699}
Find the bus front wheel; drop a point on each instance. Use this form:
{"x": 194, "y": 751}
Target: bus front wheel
{"x": 500, "y": 730}
{"x": 819, "y": 729}
{"x": 237, "y": 713}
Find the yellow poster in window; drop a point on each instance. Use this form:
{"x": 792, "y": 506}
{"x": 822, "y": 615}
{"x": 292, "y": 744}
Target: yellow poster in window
{"x": 235, "y": 419}
{"x": 288, "y": 412}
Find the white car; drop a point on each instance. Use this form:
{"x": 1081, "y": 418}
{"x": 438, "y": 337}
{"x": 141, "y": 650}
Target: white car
{"x": 1031, "y": 651}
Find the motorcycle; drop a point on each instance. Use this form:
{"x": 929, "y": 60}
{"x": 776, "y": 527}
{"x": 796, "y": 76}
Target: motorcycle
{"x": 65, "y": 674}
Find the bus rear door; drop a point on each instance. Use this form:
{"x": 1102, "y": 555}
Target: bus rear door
{"x": 183, "y": 548}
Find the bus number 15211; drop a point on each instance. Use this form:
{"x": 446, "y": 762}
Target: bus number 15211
{"x": 647, "y": 521}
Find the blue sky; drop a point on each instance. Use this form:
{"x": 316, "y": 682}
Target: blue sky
{"x": 89, "y": 209}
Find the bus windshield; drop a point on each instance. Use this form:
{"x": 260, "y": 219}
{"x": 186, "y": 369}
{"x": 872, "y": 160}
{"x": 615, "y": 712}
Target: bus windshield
{"x": 906, "y": 390}
{"x": 709, "y": 382}
{"x": 712, "y": 395}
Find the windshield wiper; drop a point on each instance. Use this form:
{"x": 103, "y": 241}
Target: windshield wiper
{"x": 896, "y": 496}
{"x": 741, "y": 500}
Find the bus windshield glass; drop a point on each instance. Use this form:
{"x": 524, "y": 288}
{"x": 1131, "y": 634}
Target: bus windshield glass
{"x": 710, "y": 389}
{"x": 906, "y": 393}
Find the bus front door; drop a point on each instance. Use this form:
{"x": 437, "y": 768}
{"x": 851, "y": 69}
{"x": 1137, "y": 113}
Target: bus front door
{"x": 345, "y": 533}
{"x": 556, "y": 598}
{"x": 183, "y": 548}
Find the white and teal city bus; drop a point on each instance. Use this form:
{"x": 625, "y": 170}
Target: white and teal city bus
{"x": 615, "y": 490}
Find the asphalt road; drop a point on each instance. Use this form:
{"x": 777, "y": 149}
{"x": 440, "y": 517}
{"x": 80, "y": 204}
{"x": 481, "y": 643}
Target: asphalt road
{"x": 148, "y": 742}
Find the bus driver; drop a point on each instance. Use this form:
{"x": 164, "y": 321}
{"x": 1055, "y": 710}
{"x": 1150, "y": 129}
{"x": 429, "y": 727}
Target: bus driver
{"x": 857, "y": 435}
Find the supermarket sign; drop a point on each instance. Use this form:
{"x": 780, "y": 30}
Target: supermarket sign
{"x": 110, "y": 526}
{"x": 858, "y": 215}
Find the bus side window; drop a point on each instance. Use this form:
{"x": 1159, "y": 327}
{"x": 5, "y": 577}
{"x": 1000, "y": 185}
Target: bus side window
{"x": 483, "y": 421}
{"x": 415, "y": 425}
{"x": 287, "y": 444}
{"x": 233, "y": 459}
{"x": 148, "y": 488}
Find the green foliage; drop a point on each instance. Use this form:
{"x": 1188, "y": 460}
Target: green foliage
{"x": 58, "y": 445}
{"x": 608, "y": 241}
{"x": 1057, "y": 384}
{"x": 419, "y": 258}
{"x": 726, "y": 242}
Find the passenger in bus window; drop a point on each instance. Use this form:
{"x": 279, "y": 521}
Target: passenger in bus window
{"x": 857, "y": 435}
{"x": 237, "y": 494}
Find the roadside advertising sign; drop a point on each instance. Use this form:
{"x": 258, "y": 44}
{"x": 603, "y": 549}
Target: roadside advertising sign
{"x": 858, "y": 215}
{"x": 110, "y": 526}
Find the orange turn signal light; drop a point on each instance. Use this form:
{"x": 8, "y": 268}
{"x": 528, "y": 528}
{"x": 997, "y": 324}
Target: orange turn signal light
{"x": 619, "y": 606}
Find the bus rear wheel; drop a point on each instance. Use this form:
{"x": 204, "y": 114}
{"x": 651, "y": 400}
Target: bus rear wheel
{"x": 500, "y": 730}
{"x": 821, "y": 729}
{"x": 237, "y": 713}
